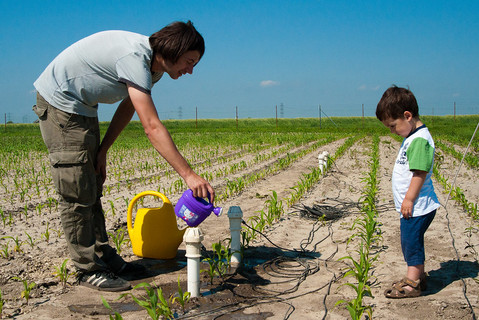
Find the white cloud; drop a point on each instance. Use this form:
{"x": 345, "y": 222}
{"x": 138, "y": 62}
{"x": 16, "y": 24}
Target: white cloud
{"x": 269, "y": 83}
{"x": 364, "y": 87}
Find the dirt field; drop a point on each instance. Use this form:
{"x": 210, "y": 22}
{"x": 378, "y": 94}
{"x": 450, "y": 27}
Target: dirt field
{"x": 277, "y": 281}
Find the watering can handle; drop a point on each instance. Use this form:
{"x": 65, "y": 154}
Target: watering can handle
{"x": 141, "y": 195}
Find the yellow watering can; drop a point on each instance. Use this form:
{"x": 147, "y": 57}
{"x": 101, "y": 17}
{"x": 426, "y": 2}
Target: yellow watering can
{"x": 155, "y": 233}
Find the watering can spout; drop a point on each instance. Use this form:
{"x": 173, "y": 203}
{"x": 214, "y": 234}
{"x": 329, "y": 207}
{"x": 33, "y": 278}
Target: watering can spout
{"x": 155, "y": 233}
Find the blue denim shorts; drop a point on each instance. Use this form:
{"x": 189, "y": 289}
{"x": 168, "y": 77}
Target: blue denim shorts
{"x": 412, "y": 238}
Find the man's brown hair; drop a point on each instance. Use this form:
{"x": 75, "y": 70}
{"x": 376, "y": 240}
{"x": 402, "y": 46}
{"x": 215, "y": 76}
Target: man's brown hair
{"x": 175, "y": 39}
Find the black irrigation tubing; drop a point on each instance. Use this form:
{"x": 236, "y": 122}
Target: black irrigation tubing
{"x": 300, "y": 277}
{"x": 464, "y": 288}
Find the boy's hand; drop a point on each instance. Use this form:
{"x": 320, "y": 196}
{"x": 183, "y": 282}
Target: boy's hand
{"x": 406, "y": 208}
{"x": 417, "y": 180}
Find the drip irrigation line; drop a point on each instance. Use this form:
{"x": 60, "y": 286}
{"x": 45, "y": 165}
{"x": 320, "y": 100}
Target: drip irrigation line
{"x": 300, "y": 277}
{"x": 453, "y": 241}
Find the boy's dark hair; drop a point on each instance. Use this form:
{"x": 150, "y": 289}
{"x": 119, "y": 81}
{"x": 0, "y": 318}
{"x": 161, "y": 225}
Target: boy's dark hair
{"x": 394, "y": 102}
{"x": 175, "y": 39}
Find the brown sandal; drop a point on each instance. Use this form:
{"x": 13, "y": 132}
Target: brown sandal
{"x": 398, "y": 291}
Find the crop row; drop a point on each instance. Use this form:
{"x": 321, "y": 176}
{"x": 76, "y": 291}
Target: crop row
{"x": 367, "y": 231}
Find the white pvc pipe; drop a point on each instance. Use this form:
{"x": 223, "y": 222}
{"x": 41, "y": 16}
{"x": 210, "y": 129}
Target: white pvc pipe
{"x": 235, "y": 215}
{"x": 321, "y": 162}
{"x": 193, "y": 238}
{"x": 326, "y": 156}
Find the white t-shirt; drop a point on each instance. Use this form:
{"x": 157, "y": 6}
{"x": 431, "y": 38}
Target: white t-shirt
{"x": 95, "y": 70}
{"x": 416, "y": 153}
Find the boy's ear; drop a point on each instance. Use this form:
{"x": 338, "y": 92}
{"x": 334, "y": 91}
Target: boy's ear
{"x": 408, "y": 115}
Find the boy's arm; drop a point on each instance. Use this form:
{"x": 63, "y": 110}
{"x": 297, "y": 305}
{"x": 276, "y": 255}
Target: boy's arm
{"x": 417, "y": 180}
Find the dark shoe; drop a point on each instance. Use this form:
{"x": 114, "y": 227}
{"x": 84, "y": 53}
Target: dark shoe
{"x": 132, "y": 271}
{"x": 103, "y": 280}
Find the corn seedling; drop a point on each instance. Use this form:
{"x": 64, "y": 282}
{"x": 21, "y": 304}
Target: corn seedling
{"x": 17, "y": 243}
{"x": 181, "y": 298}
{"x": 112, "y": 207}
{"x": 219, "y": 263}
{"x": 2, "y": 303}
{"x": 27, "y": 288}
{"x": 5, "y": 251}
{"x": 116, "y": 315}
{"x": 155, "y": 303}
{"x": 46, "y": 234}
{"x": 62, "y": 273}
{"x": 119, "y": 239}
{"x": 4, "y": 217}
{"x": 368, "y": 233}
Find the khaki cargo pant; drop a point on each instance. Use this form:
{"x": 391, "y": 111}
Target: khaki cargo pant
{"x": 72, "y": 141}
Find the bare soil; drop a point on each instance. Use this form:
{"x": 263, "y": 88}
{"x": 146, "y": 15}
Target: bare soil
{"x": 293, "y": 271}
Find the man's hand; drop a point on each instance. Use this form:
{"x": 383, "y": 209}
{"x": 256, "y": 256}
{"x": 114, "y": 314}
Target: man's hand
{"x": 100, "y": 167}
{"x": 200, "y": 186}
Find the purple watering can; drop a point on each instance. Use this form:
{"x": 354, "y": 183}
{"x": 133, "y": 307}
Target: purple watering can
{"x": 195, "y": 210}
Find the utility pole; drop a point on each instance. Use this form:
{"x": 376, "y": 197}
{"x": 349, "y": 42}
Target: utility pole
{"x": 236, "y": 117}
{"x": 454, "y": 111}
{"x": 276, "y": 116}
{"x": 319, "y": 116}
{"x": 363, "y": 113}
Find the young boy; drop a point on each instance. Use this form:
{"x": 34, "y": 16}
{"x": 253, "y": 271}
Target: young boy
{"x": 414, "y": 195}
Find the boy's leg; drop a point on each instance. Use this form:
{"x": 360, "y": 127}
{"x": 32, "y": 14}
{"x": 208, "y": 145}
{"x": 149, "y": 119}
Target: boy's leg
{"x": 412, "y": 243}
{"x": 415, "y": 272}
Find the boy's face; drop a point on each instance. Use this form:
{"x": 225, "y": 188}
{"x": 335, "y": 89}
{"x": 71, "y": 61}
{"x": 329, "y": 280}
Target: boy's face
{"x": 401, "y": 126}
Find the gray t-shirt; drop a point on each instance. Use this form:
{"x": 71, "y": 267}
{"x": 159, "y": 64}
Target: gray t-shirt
{"x": 96, "y": 70}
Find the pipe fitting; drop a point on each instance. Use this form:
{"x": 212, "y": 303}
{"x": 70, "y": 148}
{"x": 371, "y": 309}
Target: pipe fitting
{"x": 235, "y": 215}
{"x": 193, "y": 238}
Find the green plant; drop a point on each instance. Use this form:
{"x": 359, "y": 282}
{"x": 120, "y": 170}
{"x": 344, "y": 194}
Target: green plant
{"x": 355, "y": 306}
{"x": 4, "y": 217}
{"x": 62, "y": 273}
{"x": 5, "y": 252}
{"x": 116, "y": 314}
{"x": 219, "y": 263}
{"x": 369, "y": 234}
{"x": 18, "y": 244}
{"x": 2, "y": 302}
{"x": 27, "y": 288}
{"x": 30, "y": 240}
{"x": 46, "y": 234}
{"x": 155, "y": 303}
{"x": 119, "y": 239}
{"x": 182, "y": 298}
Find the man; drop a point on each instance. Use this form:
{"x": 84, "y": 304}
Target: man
{"x": 107, "y": 67}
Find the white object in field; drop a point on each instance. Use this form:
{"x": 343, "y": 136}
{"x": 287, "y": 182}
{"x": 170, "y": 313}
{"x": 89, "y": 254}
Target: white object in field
{"x": 326, "y": 156}
{"x": 321, "y": 162}
{"x": 236, "y": 216}
{"x": 193, "y": 238}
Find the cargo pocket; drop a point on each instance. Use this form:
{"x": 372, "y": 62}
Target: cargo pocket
{"x": 74, "y": 176}
{"x": 41, "y": 111}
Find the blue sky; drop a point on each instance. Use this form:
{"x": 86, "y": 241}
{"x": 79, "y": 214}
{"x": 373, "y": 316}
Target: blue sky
{"x": 296, "y": 55}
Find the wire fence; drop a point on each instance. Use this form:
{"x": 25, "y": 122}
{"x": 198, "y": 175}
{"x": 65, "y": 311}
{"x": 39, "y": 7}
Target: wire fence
{"x": 280, "y": 110}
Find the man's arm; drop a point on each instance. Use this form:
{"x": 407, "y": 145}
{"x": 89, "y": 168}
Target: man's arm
{"x": 121, "y": 118}
{"x": 161, "y": 140}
